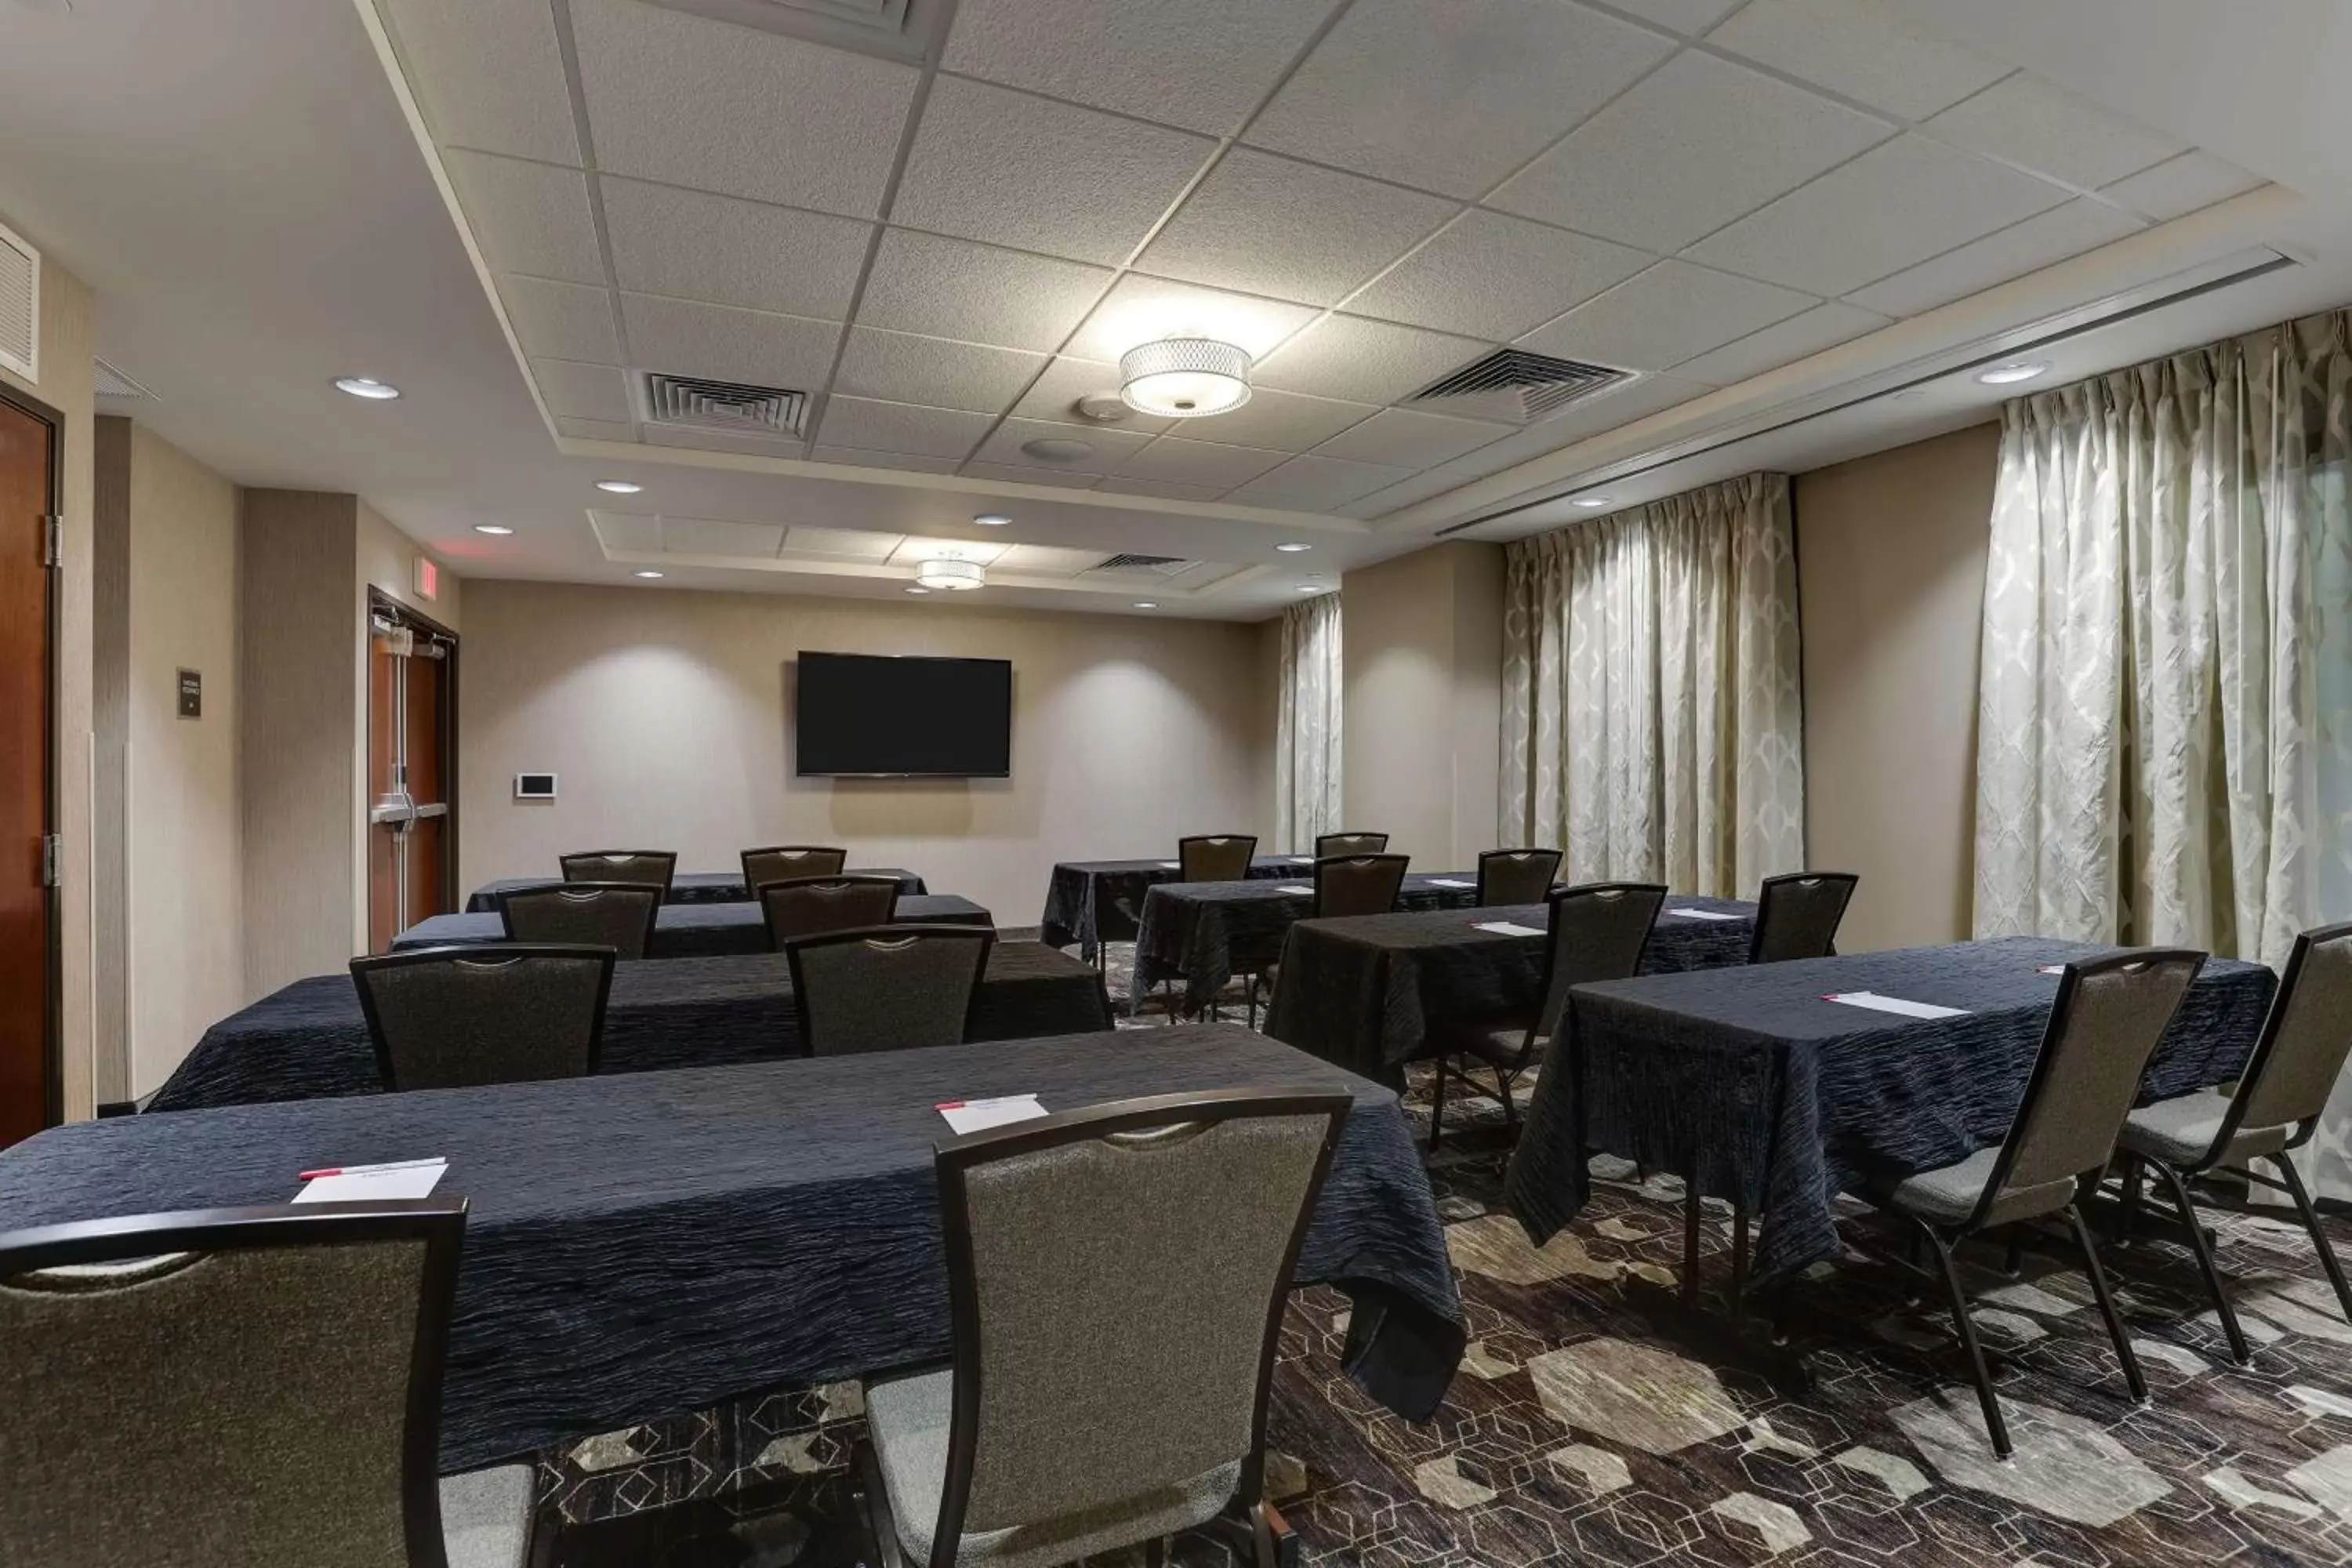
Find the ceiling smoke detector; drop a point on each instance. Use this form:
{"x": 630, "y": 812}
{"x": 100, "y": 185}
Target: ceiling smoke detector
{"x": 1057, "y": 449}
{"x": 1102, "y": 408}
{"x": 952, "y": 576}
{"x": 1184, "y": 378}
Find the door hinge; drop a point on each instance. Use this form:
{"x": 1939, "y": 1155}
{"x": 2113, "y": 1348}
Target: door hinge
{"x": 53, "y": 540}
{"x": 53, "y": 859}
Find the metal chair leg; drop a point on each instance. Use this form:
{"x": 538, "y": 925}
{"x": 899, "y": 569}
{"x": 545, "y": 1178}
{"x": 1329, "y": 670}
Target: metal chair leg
{"x": 2134, "y": 1177}
{"x": 2099, "y": 1276}
{"x": 1995, "y": 1428}
{"x": 1437, "y": 1108}
{"x": 2205, "y": 1265}
{"x": 1503, "y": 1081}
{"x": 2319, "y": 1243}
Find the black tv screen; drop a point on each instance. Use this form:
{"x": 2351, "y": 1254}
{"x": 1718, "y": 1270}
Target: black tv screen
{"x": 874, "y": 715}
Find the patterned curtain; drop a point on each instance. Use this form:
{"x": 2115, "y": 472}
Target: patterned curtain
{"x": 1652, "y": 722}
{"x": 1307, "y": 733}
{"x": 2165, "y": 720}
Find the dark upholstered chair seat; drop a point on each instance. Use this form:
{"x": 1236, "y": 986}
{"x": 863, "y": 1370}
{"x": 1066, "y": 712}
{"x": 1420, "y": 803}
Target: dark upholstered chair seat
{"x": 2180, "y": 1132}
{"x": 1950, "y": 1194}
{"x": 486, "y": 1517}
{"x": 1502, "y": 1046}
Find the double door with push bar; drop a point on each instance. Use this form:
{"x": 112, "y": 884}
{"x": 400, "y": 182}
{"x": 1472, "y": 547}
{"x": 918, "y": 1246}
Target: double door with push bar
{"x": 411, "y": 726}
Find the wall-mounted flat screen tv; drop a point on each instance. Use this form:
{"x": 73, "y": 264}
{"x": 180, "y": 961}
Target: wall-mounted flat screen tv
{"x": 878, "y": 716}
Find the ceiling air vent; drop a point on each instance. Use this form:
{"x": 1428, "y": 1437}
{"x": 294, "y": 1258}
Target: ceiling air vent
{"x": 1518, "y": 387}
{"x": 20, "y": 307}
{"x": 1156, "y": 565}
{"x": 696, "y": 405}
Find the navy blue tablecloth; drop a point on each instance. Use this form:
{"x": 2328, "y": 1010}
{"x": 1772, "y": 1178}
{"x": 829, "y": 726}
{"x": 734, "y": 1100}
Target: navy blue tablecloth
{"x": 1780, "y": 1099}
{"x": 689, "y": 931}
{"x": 1204, "y": 933}
{"x": 309, "y": 1041}
{"x": 654, "y": 1243}
{"x": 1093, "y": 901}
{"x": 686, "y": 888}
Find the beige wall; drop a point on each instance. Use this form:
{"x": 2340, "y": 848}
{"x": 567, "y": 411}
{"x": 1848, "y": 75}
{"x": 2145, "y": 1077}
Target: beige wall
{"x": 1891, "y": 564}
{"x": 1423, "y": 652}
{"x": 665, "y": 715}
{"x": 110, "y": 723}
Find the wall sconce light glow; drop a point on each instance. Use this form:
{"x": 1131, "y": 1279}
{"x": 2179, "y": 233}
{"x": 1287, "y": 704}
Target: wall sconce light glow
{"x": 367, "y": 386}
{"x": 1590, "y": 503}
{"x": 618, "y": 487}
{"x": 1293, "y": 549}
{"x": 952, "y": 576}
{"x": 649, "y": 575}
{"x": 1184, "y": 378}
{"x": 2010, "y": 375}
{"x": 993, "y": 519}
{"x": 492, "y": 529}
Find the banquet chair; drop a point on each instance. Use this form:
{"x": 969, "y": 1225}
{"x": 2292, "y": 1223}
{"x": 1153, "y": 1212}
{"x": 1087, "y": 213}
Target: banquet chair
{"x": 1595, "y": 931}
{"x": 455, "y": 1017}
{"x": 640, "y": 868}
{"x": 810, "y": 906}
{"x": 241, "y": 1385}
{"x": 1330, "y": 844}
{"x": 2109, "y": 1013}
{"x": 1215, "y": 857}
{"x": 1507, "y": 877}
{"x": 618, "y": 915}
{"x": 886, "y": 988}
{"x": 790, "y": 862}
{"x": 1116, "y": 1282}
{"x": 2277, "y": 1107}
{"x": 1797, "y": 915}
{"x": 1344, "y": 885}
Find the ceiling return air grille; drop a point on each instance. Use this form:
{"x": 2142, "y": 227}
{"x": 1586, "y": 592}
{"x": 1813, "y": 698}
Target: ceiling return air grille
{"x": 1515, "y": 385}
{"x": 696, "y": 405}
{"x": 1149, "y": 565}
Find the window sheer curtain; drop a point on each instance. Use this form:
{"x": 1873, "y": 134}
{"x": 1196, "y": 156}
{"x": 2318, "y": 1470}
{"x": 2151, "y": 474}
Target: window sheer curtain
{"x": 1652, "y": 722}
{"x": 2165, "y": 722}
{"x": 1307, "y": 729}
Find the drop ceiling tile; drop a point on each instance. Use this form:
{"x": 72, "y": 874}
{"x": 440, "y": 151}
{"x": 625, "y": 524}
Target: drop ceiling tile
{"x": 1486, "y": 274}
{"x": 595, "y": 429}
{"x": 2027, "y": 121}
{"x": 529, "y": 217}
{"x": 697, "y": 440}
{"x": 1111, "y": 447}
{"x": 2037, "y": 242}
{"x": 1665, "y": 316}
{"x": 906, "y": 461}
{"x": 1860, "y": 49}
{"x": 1165, "y": 490}
{"x": 1067, "y": 379}
{"x": 694, "y": 245}
{"x": 1410, "y": 439}
{"x": 711, "y": 536}
{"x": 739, "y": 110}
{"x": 1050, "y": 560}
{"x": 685, "y": 337}
{"x": 1698, "y": 143}
{"x": 1366, "y": 361}
{"x": 915, "y": 549}
{"x": 992, "y": 164}
{"x": 561, "y": 321}
{"x": 626, "y": 531}
{"x": 976, "y": 293}
{"x": 1894, "y": 206}
{"x": 488, "y": 74}
{"x": 1823, "y": 326}
{"x": 1198, "y": 463}
{"x": 1278, "y": 421}
{"x": 1318, "y": 483}
{"x": 583, "y": 391}
{"x": 1024, "y": 474}
{"x": 875, "y": 425}
{"x": 1199, "y": 63}
{"x": 842, "y": 544}
{"x": 1271, "y": 226}
{"x": 1691, "y": 17}
{"x": 2188, "y": 183}
{"x": 902, "y": 368}
{"x": 1452, "y": 109}
{"x": 1141, "y": 310}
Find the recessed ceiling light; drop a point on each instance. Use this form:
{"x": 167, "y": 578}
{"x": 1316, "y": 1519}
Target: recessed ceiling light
{"x": 649, "y": 575}
{"x": 917, "y": 590}
{"x": 2007, "y": 375}
{"x": 1147, "y": 604}
{"x": 993, "y": 519}
{"x": 492, "y": 527}
{"x": 1056, "y": 449}
{"x": 1293, "y": 549}
{"x": 618, "y": 487}
{"x": 1590, "y": 503}
{"x": 1184, "y": 378}
{"x": 367, "y": 386}
{"x": 1311, "y": 587}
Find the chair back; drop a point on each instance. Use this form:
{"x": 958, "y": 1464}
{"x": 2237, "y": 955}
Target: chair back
{"x": 1797, "y": 915}
{"x": 1121, "y": 1273}
{"x": 1358, "y": 884}
{"x": 1330, "y": 844}
{"x": 453, "y": 1017}
{"x": 2109, "y": 1015}
{"x": 1215, "y": 857}
{"x": 811, "y": 906}
{"x": 1517, "y": 875}
{"x": 886, "y": 988}
{"x": 1596, "y": 932}
{"x": 249, "y": 1385}
{"x": 639, "y": 867}
{"x": 789, "y": 863}
{"x": 618, "y": 915}
{"x": 2304, "y": 1040}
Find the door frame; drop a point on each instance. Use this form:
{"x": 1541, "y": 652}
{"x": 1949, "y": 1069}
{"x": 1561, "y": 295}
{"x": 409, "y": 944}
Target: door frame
{"x": 380, "y": 602}
{"x": 53, "y": 1089}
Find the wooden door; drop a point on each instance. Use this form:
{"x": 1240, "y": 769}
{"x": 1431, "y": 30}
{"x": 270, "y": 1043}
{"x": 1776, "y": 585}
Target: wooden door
{"x": 412, "y": 668}
{"x": 30, "y": 1090}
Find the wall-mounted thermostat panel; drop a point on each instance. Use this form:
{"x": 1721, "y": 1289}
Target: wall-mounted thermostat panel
{"x": 534, "y": 786}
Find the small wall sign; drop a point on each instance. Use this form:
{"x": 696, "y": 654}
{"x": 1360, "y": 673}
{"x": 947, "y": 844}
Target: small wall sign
{"x": 192, "y": 694}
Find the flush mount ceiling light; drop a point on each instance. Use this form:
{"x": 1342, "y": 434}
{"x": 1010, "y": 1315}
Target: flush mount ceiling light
{"x": 367, "y": 386}
{"x": 1590, "y": 503}
{"x": 1293, "y": 549}
{"x": 1184, "y": 378}
{"x": 618, "y": 487}
{"x": 649, "y": 575}
{"x": 2009, "y": 374}
{"x": 993, "y": 519}
{"x": 493, "y": 529}
{"x": 953, "y": 576}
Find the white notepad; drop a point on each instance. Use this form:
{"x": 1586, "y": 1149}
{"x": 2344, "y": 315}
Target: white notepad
{"x": 980, "y": 1115}
{"x": 2052, "y": 969}
{"x": 1705, "y": 915}
{"x": 1876, "y": 1003}
{"x": 1508, "y": 928}
{"x": 1450, "y": 882}
{"x": 1294, "y": 888}
{"x": 353, "y": 1183}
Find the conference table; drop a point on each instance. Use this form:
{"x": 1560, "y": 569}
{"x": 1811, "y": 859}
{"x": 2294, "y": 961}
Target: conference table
{"x": 1091, "y": 902}
{"x": 691, "y": 930}
{"x": 648, "y": 1244}
{"x": 686, "y": 888}
{"x": 1757, "y": 1086}
{"x": 310, "y": 1041}
{"x": 1364, "y": 992}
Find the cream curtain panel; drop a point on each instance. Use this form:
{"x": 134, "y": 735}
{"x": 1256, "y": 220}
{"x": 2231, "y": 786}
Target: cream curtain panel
{"x": 1652, "y": 724}
{"x": 1307, "y": 731}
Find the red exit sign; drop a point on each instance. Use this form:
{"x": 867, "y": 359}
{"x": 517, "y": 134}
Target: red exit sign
{"x": 428, "y": 578}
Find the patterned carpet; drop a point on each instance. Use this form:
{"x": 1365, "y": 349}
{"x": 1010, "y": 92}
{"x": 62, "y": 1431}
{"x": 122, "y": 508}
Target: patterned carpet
{"x": 1587, "y": 1427}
